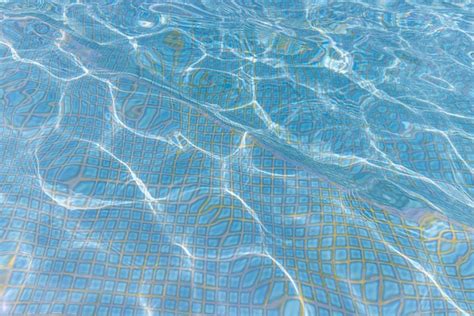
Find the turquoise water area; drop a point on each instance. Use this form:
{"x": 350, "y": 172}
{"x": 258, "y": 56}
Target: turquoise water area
{"x": 236, "y": 157}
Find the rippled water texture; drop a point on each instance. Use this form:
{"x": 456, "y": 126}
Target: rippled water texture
{"x": 237, "y": 157}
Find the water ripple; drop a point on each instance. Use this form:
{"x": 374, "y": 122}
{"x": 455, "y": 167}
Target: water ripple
{"x": 236, "y": 157}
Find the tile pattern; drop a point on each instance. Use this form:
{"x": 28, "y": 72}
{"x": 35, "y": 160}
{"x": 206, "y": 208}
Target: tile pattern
{"x": 235, "y": 158}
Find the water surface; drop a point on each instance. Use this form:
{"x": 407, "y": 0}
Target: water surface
{"x": 236, "y": 157}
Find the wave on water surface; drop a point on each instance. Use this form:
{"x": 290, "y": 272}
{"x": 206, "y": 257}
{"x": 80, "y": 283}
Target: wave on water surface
{"x": 236, "y": 157}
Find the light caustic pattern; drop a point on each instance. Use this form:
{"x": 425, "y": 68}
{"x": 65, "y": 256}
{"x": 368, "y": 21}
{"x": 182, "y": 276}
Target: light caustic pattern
{"x": 236, "y": 157}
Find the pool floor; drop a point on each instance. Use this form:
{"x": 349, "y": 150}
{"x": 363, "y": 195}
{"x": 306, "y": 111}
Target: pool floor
{"x": 244, "y": 157}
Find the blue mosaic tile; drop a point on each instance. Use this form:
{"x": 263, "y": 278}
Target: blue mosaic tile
{"x": 236, "y": 158}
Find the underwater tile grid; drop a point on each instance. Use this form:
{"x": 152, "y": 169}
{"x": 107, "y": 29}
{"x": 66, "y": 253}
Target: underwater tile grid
{"x": 236, "y": 157}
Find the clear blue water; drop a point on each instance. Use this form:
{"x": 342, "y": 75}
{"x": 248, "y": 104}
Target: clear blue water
{"x": 236, "y": 157}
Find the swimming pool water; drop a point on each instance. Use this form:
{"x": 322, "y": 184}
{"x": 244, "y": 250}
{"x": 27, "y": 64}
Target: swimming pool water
{"x": 236, "y": 157}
